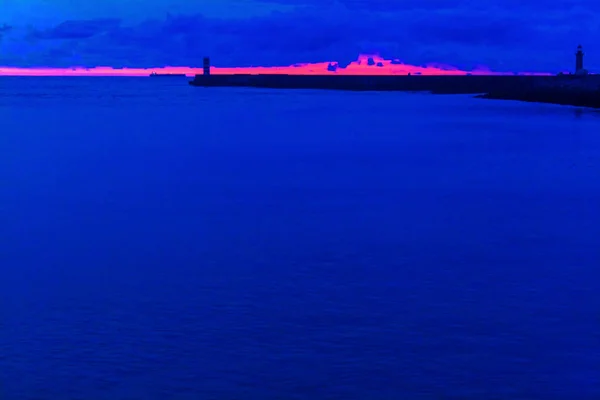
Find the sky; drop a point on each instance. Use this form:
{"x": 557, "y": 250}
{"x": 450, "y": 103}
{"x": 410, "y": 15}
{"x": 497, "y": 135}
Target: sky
{"x": 503, "y": 35}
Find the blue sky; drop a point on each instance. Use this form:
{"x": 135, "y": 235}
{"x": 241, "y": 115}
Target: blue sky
{"x": 506, "y": 35}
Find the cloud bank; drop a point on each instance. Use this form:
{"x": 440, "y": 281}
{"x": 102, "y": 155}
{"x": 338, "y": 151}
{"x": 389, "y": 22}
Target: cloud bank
{"x": 505, "y": 36}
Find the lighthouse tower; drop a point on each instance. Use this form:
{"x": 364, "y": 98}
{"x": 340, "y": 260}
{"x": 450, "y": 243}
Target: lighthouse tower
{"x": 206, "y": 66}
{"x": 579, "y": 59}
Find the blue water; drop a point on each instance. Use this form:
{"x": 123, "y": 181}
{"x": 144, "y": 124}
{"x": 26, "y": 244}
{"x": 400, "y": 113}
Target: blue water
{"x": 159, "y": 241}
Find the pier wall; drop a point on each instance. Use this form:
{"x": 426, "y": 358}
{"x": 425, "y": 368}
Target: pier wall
{"x": 436, "y": 84}
{"x": 566, "y": 89}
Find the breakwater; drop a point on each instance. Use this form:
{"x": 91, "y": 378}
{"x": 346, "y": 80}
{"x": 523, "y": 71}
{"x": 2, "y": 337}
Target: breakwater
{"x": 432, "y": 83}
{"x": 566, "y": 89}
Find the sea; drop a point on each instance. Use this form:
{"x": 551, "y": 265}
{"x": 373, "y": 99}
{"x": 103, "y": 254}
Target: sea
{"x": 162, "y": 241}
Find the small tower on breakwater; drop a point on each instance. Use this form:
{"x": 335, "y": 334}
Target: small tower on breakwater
{"x": 579, "y": 59}
{"x": 206, "y": 66}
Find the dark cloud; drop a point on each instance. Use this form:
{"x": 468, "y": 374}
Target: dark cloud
{"x": 78, "y": 29}
{"x": 507, "y": 35}
{"x": 457, "y": 5}
{"x": 4, "y": 28}
{"x": 473, "y": 29}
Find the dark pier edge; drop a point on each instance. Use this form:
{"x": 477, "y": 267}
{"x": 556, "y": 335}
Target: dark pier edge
{"x": 560, "y": 96}
{"x": 575, "y": 90}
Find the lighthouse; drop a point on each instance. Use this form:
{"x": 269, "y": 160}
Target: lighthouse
{"x": 579, "y": 59}
{"x": 206, "y": 66}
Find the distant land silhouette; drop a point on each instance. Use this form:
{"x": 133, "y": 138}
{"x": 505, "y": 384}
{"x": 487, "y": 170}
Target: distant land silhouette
{"x": 366, "y": 64}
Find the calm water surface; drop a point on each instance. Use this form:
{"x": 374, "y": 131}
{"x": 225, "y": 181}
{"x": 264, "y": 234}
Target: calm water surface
{"x": 159, "y": 241}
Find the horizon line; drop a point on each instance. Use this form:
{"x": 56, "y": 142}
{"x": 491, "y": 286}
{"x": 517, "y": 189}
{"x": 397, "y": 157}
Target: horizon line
{"x": 365, "y": 64}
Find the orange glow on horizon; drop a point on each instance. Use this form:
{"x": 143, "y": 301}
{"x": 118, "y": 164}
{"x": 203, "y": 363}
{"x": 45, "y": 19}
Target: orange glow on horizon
{"x": 364, "y": 65}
